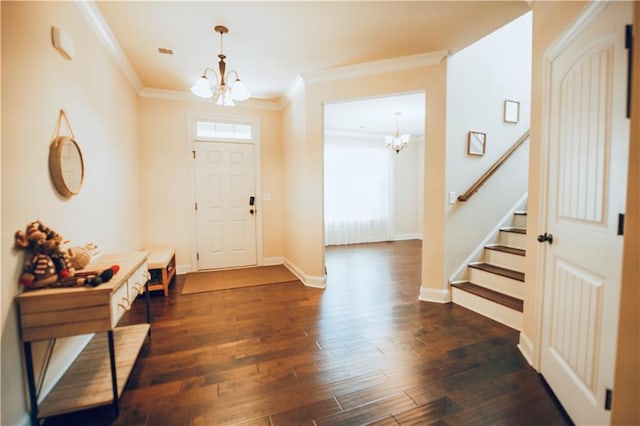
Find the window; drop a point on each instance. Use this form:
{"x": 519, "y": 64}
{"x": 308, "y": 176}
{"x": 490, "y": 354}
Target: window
{"x": 357, "y": 185}
{"x": 219, "y": 130}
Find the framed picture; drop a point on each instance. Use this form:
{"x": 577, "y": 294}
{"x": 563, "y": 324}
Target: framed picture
{"x": 511, "y": 111}
{"x": 476, "y": 143}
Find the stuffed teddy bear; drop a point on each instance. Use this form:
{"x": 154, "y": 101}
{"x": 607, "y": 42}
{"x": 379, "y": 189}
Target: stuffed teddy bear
{"x": 46, "y": 262}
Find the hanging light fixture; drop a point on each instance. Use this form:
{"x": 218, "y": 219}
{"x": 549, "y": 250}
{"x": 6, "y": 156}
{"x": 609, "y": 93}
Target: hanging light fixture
{"x": 224, "y": 94}
{"x": 398, "y": 141}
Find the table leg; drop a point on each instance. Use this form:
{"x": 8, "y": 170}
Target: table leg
{"x": 33, "y": 398}
{"x": 146, "y": 298}
{"x": 114, "y": 377}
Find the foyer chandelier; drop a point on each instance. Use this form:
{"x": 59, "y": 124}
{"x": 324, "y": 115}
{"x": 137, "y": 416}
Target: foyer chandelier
{"x": 397, "y": 141}
{"x": 224, "y": 94}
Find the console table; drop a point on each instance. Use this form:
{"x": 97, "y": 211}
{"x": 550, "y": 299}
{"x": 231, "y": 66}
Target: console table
{"x": 61, "y": 312}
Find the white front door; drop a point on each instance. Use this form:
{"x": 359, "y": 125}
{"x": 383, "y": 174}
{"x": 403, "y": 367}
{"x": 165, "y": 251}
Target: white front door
{"x": 225, "y": 218}
{"x": 587, "y": 160}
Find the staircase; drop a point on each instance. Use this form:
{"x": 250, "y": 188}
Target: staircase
{"x": 495, "y": 285}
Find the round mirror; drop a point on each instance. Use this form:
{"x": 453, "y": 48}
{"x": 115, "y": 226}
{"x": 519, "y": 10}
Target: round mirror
{"x": 66, "y": 166}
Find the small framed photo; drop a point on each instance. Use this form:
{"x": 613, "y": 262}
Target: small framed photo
{"x": 511, "y": 111}
{"x": 476, "y": 143}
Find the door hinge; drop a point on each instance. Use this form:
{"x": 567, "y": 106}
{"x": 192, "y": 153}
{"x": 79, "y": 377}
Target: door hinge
{"x": 194, "y": 153}
{"x": 608, "y": 398}
{"x": 196, "y": 206}
{"x": 628, "y": 44}
{"x": 198, "y": 256}
{"x": 620, "y": 223}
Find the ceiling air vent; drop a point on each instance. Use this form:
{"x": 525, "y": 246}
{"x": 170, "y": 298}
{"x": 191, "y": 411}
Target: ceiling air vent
{"x": 165, "y": 51}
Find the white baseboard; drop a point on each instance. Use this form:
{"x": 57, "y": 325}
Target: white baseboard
{"x": 270, "y": 261}
{"x": 526, "y": 348}
{"x": 437, "y": 295}
{"x": 402, "y": 237}
{"x": 183, "y": 269}
{"x": 308, "y": 280}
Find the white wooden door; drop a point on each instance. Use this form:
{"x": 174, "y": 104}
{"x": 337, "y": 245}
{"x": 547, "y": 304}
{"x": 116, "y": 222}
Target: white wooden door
{"x": 587, "y": 152}
{"x": 225, "y": 220}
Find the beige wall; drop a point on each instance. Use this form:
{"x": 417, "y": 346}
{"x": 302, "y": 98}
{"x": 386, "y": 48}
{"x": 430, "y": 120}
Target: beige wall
{"x": 166, "y": 174}
{"x": 298, "y": 195}
{"x": 627, "y": 375}
{"x": 304, "y": 163}
{"x": 479, "y": 79}
{"x": 102, "y": 108}
{"x": 408, "y": 204}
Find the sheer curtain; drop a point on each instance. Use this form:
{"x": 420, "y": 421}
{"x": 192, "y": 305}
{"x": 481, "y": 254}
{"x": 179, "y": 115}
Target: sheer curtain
{"x": 356, "y": 185}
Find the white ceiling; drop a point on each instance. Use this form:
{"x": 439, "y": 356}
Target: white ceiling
{"x": 270, "y": 43}
{"x": 376, "y": 116}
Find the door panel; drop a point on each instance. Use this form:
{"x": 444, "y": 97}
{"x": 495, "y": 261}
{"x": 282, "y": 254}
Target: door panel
{"x": 588, "y": 141}
{"x": 226, "y": 230}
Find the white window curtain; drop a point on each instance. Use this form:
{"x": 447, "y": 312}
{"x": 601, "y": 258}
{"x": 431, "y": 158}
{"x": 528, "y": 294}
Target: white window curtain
{"x": 356, "y": 185}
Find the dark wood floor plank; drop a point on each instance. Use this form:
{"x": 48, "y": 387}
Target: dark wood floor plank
{"x": 306, "y": 414}
{"x": 428, "y": 413}
{"x": 371, "y": 412}
{"x": 362, "y": 351}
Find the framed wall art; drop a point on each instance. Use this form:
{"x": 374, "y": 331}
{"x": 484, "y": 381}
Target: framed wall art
{"x": 476, "y": 143}
{"x": 511, "y": 111}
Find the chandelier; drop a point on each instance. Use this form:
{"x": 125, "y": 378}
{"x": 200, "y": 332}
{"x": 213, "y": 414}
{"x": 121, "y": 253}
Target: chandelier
{"x": 224, "y": 94}
{"x": 398, "y": 141}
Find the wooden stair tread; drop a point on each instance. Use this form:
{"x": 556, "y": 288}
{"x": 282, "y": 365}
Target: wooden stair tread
{"x": 506, "y": 249}
{"x": 494, "y": 296}
{"x": 498, "y": 270}
{"x": 514, "y": 229}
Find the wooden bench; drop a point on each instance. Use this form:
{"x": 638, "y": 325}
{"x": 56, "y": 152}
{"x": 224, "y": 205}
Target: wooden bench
{"x": 162, "y": 267}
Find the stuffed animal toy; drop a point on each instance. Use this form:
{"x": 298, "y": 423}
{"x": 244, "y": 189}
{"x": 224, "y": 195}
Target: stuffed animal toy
{"x": 47, "y": 265}
{"x": 91, "y": 278}
{"x": 79, "y": 257}
{"x": 45, "y": 261}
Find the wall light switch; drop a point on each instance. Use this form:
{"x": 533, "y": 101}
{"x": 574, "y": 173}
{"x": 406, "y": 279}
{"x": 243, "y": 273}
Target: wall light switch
{"x": 452, "y": 198}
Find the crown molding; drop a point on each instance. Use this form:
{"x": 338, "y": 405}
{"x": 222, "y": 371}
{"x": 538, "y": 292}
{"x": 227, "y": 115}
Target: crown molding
{"x": 360, "y": 70}
{"x": 179, "y": 95}
{"x": 377, "y": 67}
{"x": 292, "y": 91}
{"x": 174, "y": 95}
{"x": 336, "y": 135}
{"x": 346, "y": 134}
{"x": 92, "y": 15}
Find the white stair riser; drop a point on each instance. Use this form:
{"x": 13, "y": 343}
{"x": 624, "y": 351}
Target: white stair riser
{"x": 513, "y": 239}
{"x": 482, "y": 306}
{"x": 520, "y": 220}
{"x": 506, "y": 260}
{"x": 508, "y": 286}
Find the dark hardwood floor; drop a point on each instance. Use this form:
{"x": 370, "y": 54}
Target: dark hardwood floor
{"x": 363, "y": 351}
